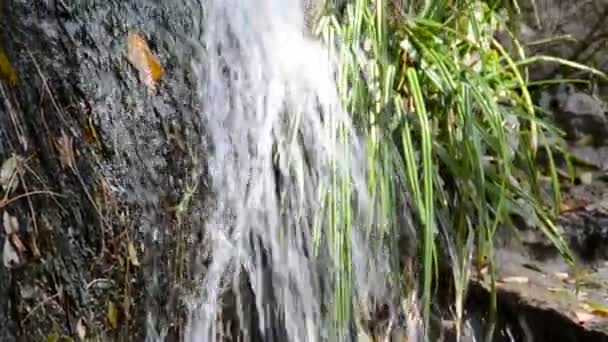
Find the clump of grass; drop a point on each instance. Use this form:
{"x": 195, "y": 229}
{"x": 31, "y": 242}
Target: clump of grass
{"x": 450, "y": 127}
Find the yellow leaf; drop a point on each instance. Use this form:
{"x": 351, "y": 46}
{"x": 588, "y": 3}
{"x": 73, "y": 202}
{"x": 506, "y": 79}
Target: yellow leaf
{"x": 132, "y": 253}
{"x": 139, "y": 54}
{"x": 8, "y": 172}
{"x": 7, "y": 73}
{"x": 598, "y": 309}
{"x": 53, "y": 337}
{"x": 112, "y": 315}
{"x": 89, "y": 130}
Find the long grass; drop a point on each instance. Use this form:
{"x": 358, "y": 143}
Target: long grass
{"x": 451, "y": 132}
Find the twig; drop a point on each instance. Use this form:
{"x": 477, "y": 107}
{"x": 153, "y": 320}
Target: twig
{"x": 5, "y": 201}
{"x": 104, "y": 221}
{"x": 46, "y": 300}
{"x": 39, "y": 179}
{"x": 34, "y": 241}
{"x": 63, "y": 120}
{"x": 99, "y": 280}
{"x": 48, "y": 89}
{"x": 16, "y": 124}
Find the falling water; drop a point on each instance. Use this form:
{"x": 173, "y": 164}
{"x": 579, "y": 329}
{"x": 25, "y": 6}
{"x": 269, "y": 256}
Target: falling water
{"x": 277, "y": 138}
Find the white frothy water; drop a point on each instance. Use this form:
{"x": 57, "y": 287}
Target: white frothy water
{"x": 274, "y": 123}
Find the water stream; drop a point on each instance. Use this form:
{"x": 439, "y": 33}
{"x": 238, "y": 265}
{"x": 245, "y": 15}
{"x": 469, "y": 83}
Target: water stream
{"x": 278, "y": 139}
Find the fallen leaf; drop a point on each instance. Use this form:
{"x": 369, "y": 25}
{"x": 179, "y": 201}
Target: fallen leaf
{"x": 598, "y": 309}
{"x": 53, "y": 337}
{"x": 16, "y": 241}
{"x": 514, "y": 280}
{"x": 11, "y": 225}
{"x": 572, "y": 204}
{"x": 10, "y": 258}
{"x": 586, "y": 178}
{"x": 556, "y": 289}
{"x": 89, "y": 130}
{"x": 65, "y": 147}
{"x": 132, "y": 254}
{"x": 583, "y": 317}
{"x": 81, "y": 330}
{"x": 7, "y": 73}
{"x": 139, "y": 54}
{"x": 7, "y": 172}
{"x": 112, "y": 315}
{"x": 12, "y": 240}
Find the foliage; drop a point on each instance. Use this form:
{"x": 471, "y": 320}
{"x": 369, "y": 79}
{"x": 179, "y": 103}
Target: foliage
{"x": 450, "y": 126}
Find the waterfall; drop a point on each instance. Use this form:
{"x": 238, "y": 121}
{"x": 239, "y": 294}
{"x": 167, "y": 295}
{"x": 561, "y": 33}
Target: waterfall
{"x": 279, "y": 142}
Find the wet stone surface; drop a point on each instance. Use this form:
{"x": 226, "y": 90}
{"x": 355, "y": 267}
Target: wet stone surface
{"x": 84, "y": 268}
{"x": 547, "y": 298}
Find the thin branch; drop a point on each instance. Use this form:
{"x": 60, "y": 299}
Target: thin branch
{"x": 5, "y": 201}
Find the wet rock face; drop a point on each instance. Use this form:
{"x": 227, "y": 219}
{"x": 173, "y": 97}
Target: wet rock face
{"x": 580, "y": 114}
{"x": 573, "y": 30}
{"x": 588, "y": 231}
{"x": 133, "y": 152}
{"x": 545, "y": 303}
{"x": 580, "y": 24}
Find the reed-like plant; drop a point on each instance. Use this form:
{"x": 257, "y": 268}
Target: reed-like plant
{"x": 450, "y": 126}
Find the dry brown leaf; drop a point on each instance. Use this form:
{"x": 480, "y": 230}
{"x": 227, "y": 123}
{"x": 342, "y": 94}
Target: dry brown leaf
{"x": 90, "y": 132}
{"x": 12, "y": 243}
{"x": 16, "y": 241}
{"x": 572, "y": 204}
{"x": 139, "y": 54}
{"x": 514, "y": 280}
{"x": 566, "y": 206}
{"x": 7, "y": 73}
